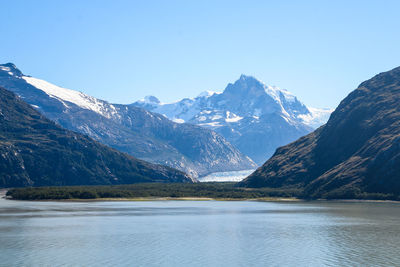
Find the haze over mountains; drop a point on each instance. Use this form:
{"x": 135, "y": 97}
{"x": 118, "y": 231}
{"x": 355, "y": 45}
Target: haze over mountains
{"x": 355, "y": 155}
{"x": 143, "y": 134}
{"x": 34, "y": 151}
{"x": 254, "y": 117}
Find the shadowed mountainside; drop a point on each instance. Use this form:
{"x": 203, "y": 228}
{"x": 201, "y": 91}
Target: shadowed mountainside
{"x": 356, "y": 153}
{"x": 138, "y": 132}
{"x": 34, "y": 151}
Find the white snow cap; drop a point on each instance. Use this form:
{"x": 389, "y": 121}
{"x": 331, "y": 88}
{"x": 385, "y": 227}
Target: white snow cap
{"x": 206, "y": 93}
{"x": 75, "y": 97}
{"x": 150, "y": 99}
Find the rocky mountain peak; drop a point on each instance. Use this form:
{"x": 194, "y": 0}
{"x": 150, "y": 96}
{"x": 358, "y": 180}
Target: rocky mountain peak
{"x": 130, "y": 129}
{"x": 244, "y": 77}
{"x": 356, "y": 153}
{"x": 10, "y": 69}
{"x": 206, "y": 94}
{"x": 150, "y": 99}
{"x": 255, "y": 117}
{"x": 246, "y": 86}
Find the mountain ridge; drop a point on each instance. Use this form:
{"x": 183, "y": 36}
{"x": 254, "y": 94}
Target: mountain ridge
{"x": 130, "y": 129}
{"x": 254, "y": 117}
{"x": 356, "y": 152}
{"x": 34, "y": 151}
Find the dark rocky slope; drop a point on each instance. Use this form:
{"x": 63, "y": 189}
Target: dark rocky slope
{"x": 356, "y": 154}
{"x": 34, "y": 151}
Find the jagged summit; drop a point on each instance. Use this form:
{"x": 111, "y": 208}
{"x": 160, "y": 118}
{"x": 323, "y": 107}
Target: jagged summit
{"x": 247, "y": 77}
{"x": 206, "y": 93}
{"x": 253, "y": 116}
{"x": 130, "y": 129}
{"x": 9, "y": 65}
{"x": 356, "y": 154}
{"x": 245, "y": 84}
{"x": 150, "y": 100}
{"x": 253, "y": 87}
{"x": 11, "y": 69}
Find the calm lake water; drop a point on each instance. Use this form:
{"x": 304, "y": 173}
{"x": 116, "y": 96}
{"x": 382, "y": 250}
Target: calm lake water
{"x": 199, "y": 233}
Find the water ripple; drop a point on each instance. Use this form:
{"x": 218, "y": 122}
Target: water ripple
{"x": 187, "y": 233}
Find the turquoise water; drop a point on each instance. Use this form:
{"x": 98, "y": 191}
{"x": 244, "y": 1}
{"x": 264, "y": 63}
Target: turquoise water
{"x": 199, "y": 233}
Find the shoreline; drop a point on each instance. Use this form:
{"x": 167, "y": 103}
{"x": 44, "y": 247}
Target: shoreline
{"x": 166, "y": 192}
{"x": 144, "y": 199}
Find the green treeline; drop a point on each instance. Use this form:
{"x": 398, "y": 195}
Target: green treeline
{"x": 173, "y": 190}
{"x": 177, "y": 190}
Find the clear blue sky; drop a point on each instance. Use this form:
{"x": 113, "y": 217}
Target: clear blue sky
{"x": 121, "y": 51}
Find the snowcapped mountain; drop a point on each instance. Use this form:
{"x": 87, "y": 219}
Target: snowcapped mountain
{"x": 254, "y": 117}
{"x": 37, "y": 152}
{"x": 136, "y": 131}
{"x": 67, "y": 95}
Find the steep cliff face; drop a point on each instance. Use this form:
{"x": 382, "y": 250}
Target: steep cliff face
{"x": 254, "y": 117}
{"x": 34, "y": 151}
{"x": 357, "y": 151}
{"x": 138, "y": 132}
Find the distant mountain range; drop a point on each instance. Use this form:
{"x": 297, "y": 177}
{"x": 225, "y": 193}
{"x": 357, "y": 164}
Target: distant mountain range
{"x": 34, "y": 151}
{"x": 254, "y": 117}
{"x": 355, "y": 155}
{"x": 138, "y": 132}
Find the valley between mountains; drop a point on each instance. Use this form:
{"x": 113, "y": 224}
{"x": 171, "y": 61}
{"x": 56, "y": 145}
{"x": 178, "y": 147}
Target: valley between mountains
{"x": 88, "y": 141}
{"x": 235, "y": 130}
{"x": 146, "y": 135}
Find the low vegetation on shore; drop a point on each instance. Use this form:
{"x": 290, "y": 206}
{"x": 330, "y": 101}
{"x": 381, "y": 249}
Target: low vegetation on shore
{"x": 149, "y": 190}
{"x": 211, "y": 190}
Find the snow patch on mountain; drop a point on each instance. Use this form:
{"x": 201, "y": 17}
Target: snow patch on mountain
{"x": 183, "y": 110}
{"x": 206, "y": 94}
{"x": 178, "y": 120}
{"x": 133, "y": 130}
{"x": 78, "y": 98}
{"x": 150, "y": 100}
{"x": 4, "y": 68}
{"x": 255, "y": 117}
{"x": 7, "y": 69}
{"x": 233, "y": 176}
{"x": 235, "y": 119}
{"x": 250, "y": 94}
{"x": 316, "y": 117}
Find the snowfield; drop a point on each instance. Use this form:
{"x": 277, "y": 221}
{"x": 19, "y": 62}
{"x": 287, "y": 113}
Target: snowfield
{"x": 233, "y": 176}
